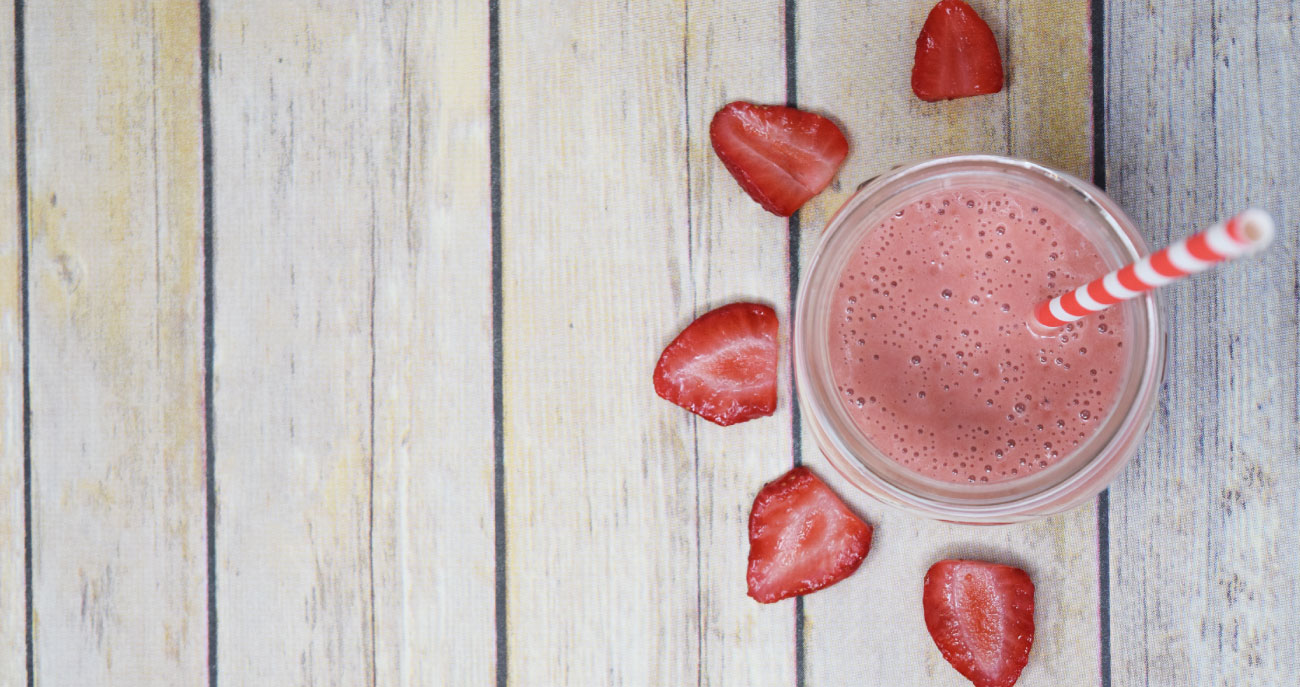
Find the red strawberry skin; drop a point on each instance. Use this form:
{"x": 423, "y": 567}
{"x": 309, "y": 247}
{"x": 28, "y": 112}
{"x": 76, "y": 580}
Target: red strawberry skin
{"x": 981, "y": 616}
{"x": 722, "y": 367}
{"x": 781, "y": 156}
{"x": 956, "y": 55}
{"x": 801, "y": 538}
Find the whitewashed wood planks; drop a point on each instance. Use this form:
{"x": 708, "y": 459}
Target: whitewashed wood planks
{"x": 353, "y": 369}
{"x": 1203, "y": 119}
{"x": 13, "y": 603}
{"x": 354, "y": 340}
{"x": 854, "y": 63}
{"x": 116, "y": 316}
{"x": 294, "y": 221}
{"x": 433, "y": 501}
{"x": 627, "y": 517}
{"x": 600, "y": 483}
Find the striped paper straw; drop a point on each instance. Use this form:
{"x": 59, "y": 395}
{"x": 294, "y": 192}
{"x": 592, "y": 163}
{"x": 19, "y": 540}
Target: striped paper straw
{"x": 1240, "y": 235}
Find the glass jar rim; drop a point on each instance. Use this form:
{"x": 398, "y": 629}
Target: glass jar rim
{"x": 1087, "y": 470}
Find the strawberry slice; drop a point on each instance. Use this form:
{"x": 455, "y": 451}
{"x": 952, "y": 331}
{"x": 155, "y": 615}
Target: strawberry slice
{"x": 780, "y": 155}
{"x": 981, "y": 616}
{"x": 956, "y": 55}
{"x": 801, "y": 538}
{"x": 722, "y": 367}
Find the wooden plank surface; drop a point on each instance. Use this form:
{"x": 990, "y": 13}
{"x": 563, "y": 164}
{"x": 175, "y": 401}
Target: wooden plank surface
{"x": 297, "y": 169}
{"x": 353, "y": 345}
{"x": 1049, "y": 72}
{"x": 354, "y": 342}
{"x": 601, "y": 499}
{"x": 1204, "y": 524}
{"x": 13, "y": 577}
{"x": 433, "y": 502}
{"x": 116, "y": 311}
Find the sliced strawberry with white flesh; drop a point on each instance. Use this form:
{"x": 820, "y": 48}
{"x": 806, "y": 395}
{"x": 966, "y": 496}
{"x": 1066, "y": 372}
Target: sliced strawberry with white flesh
{"x": 781, "y": 156}
{"x": 722, "y": 367}
{"x": 981, "y": 616}
{"x": 801, "y": 538}
{"x": 956, "y": 55}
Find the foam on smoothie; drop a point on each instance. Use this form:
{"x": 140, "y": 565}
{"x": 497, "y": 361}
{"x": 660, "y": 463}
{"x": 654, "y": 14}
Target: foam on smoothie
{"x": 931, "y": 353}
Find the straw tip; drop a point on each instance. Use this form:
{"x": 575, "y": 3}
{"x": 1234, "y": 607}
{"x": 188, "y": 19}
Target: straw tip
{"x": 1258, "y": 227}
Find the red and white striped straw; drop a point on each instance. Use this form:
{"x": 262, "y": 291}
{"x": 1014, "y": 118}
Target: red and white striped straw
{"x": 1238, "y": 236}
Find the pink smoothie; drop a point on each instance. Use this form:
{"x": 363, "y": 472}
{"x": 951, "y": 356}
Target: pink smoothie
{"x": 931, "y": 353}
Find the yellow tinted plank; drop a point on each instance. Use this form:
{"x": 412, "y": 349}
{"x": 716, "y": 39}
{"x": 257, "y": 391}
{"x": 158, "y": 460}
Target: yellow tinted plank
{"x": 116, "y": 315}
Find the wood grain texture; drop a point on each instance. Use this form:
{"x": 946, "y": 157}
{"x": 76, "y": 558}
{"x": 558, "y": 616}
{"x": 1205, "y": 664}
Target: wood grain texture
{"x": 353, "y": 357}
{"x": 116, "y": 314}
{"x": 353, "y": 345}
{"x": 433, "y": 500}
{"x": 1206, "y": 589}
{"x": 13, "y": 604}
{"x": 604, "y": 578}
{"x": 734, "y": 251}
{"x": 1042, "y": 114}
{"x": 303, "y": 158}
